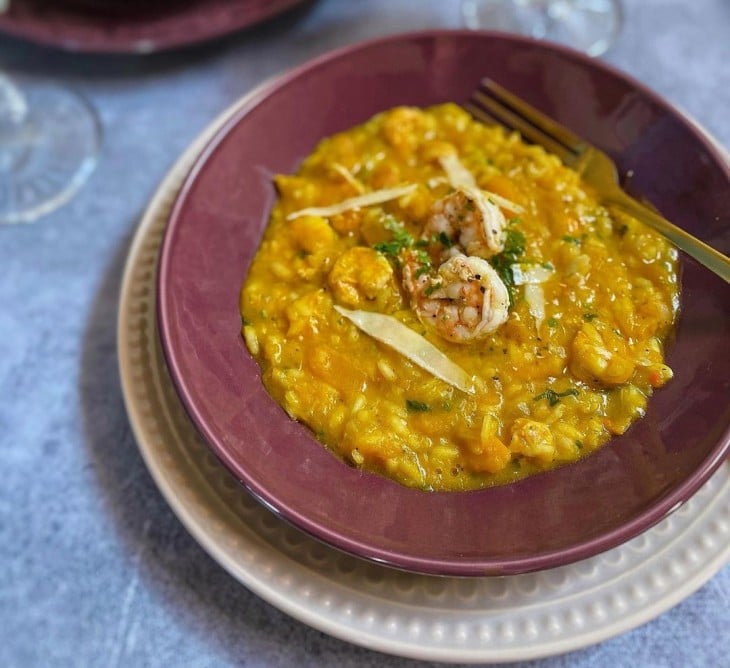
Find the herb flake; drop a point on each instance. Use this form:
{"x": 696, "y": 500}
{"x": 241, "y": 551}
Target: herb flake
{"x": 401, "y": 240}
{"x": 554, "y": 397}
{"x": 514, "y": 248}
{"x": 444, "y": 240}
{"x": 414, "y": 406}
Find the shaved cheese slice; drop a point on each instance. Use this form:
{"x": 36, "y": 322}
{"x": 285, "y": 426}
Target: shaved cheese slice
{"x": 535, "y": 299}
{"x": 410, "y": 344}
{"x": 436, "y": 181}
{"x": 504, "y": 202}
{"x": 536, "y": 273}
{"x": 345, "y": 174}
{"x": 460, "y": 177}
{"x": 369, "y": 199}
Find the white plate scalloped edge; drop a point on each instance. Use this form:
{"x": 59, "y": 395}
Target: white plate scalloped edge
{"x": 466, "y": 620}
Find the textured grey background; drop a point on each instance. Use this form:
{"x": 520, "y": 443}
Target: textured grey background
{"x": 94, "y": 568}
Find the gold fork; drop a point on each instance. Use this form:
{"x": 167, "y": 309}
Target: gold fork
{"x": 492, "y": 103}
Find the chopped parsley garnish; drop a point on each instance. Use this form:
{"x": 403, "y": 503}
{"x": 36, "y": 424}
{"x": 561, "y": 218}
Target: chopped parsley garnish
{"x": 552, "y": 322}
{"x": 392, "y": 248}
{"x": 423, "y": 269}
{"x": 417, "y": 406}
{"x": 589, "y": 317}
{"x": 424, "y": 261}
{"x": 400, "y": 241}
{"x": 403, "y": 240}
{"x": 431, "y": 289}
{"x": 572, "y": 240}
{"x": 514, "y": 248}
{"x": 514, "y": 245}
{"x": 444, "y": 240}
{"x": 553, "y": 397}
{"x": 514, "y": 221}
{"x": 423, "y": 257}
{"x": 579, "y": 445}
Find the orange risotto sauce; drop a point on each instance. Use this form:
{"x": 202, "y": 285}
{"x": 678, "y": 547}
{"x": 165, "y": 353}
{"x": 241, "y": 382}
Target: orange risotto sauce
{"x": 535, "y": 317}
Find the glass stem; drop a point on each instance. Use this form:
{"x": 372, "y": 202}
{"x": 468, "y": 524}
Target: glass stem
{"x": 14, "y": 129}
{"x": 542, "y": 17}
{"x": 13, "y": 107}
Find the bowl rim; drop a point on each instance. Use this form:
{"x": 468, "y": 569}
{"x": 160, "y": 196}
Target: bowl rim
{"x": 539, "y": 560}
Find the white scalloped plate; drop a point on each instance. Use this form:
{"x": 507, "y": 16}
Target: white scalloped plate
{"x": 448, "y": 619}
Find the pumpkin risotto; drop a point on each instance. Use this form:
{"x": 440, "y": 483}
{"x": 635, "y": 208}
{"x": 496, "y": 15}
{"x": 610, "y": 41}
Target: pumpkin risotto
{"x": 450, "y": 307}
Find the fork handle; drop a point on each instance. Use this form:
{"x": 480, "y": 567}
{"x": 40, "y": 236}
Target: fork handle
{"x": 713, "y": 259}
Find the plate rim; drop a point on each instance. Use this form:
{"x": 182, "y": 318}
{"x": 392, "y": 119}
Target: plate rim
{"x": 104, "y": 41}
{"x": 643, "y": 520}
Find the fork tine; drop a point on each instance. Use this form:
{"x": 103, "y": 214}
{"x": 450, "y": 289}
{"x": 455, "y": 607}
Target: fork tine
{"x": 485, "y": 108}
{"x": 548, "y": 125}
{"x": 537, "y": 118}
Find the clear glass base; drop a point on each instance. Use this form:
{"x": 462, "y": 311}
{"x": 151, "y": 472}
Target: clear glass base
{"x": 49, "y": 144}
{"x": 590, "y": 26}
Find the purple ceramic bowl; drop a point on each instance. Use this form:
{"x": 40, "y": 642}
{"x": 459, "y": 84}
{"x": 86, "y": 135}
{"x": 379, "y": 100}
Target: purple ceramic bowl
{"x": 116, "y": 26}
{"x": 548, "y": 520}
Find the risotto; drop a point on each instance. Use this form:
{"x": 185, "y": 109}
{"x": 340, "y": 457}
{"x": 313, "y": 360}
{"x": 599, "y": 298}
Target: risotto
{"x": 450, "y": 307}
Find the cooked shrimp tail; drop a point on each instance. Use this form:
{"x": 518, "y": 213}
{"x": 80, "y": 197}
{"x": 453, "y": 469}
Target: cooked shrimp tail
{"x": 468, "y": 222}
{"x": 464, "y": 300}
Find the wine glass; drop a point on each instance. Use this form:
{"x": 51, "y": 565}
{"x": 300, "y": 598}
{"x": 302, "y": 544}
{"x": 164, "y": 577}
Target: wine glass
{"x": 587, "y": 25}
{"x": 49, "y": 143}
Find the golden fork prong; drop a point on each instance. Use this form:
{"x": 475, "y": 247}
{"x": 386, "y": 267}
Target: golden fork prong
{"x": 503, "y": 116}
{"x": 492, "y": 103}
{"x": 547, "y": 125}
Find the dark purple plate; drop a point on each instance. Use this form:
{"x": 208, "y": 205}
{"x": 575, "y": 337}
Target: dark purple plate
{"x": 100, "y": 27}
{"x": 545, "y": 521}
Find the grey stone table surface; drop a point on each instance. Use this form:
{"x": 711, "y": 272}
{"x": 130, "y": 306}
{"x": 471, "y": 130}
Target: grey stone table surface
{"x": 95, "y": 570}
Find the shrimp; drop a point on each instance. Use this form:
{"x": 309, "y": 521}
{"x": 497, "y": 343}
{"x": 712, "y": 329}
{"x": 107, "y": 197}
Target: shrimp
{"x": 464, "y": 300}
{"x": 467, "y": 222}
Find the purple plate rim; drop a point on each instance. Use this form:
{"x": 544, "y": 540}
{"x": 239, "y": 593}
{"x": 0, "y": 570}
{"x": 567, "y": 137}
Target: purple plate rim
{"x": 96, "y": 39}
{"x": 641, "y": 522}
